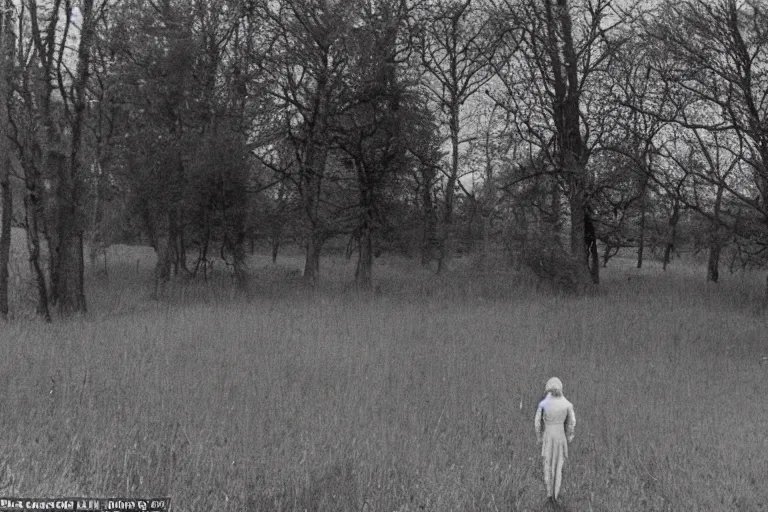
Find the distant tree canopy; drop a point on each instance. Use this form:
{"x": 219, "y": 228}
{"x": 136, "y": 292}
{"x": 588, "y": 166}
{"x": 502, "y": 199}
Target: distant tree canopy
{"x": 558, "y": 131}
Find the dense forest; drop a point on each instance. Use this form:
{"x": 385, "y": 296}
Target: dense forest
{"x": 556, "y": 132}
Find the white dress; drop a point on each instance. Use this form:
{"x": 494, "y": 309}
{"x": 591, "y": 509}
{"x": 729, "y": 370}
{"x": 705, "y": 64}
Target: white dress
{"x": 555, "y": 423}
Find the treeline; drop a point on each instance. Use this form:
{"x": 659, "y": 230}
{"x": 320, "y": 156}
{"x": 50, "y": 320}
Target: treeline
{"x": 560, "y": 130}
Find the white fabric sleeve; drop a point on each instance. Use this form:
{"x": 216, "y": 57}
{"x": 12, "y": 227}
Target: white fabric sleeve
{"x": 570, "y": 424}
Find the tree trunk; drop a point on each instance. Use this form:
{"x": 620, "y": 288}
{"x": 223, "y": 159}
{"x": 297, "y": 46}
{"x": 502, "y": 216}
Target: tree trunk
{"x": 713, "y": 263}
{"x": 668, "y": 247}
{"x": 590, "y": 239}
{"x": 715, "y": 244}
{"x": 32, "y": 214}
{"x": 488, "y": 199}
{"x": 672, "y": 234}
{"x": 315, "y": 146}
{"x": 607, "y": 254}
{"x": 66, "y": 282}
{"x": 594, "y": 269}
{"x": 70, "y": 284}
{"x": 275, "y": 248}
{"x": 641, "y": 241}
{"x": 364, "y": 271}
{"x": 49, "y": 213}
{"x": 203, "y": 257}
{"x": 173, "y": 241}
{"x": 5, "y": 158}
{"x": 429, "y": 235}
{"x": 162, "y": 273}
{"x": 485, "y": 242}
{"x": 446, "y": 231}
{"x": 71, "y": 265}
{"x": 177, "y": 245}
{"x": 571, "y": 149}
{"x": 366, "y": 186}
{"x": 643, "y": 207}
{"x": 5, "y": 229}
{"x": 312, "y": 261}
{"x": 238, "y": 259}
{"x": 578, "y": 240}
{"x": 182, "y": 249}
{"x": 275, "y": 235}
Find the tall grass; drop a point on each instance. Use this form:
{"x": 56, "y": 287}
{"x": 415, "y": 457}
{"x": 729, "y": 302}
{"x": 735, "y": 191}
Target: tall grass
{"x": 419, "y": 397}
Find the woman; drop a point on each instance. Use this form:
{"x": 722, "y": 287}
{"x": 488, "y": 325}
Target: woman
{"x": 555, "y": 424}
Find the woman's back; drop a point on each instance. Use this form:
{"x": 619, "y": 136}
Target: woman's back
{"x": 555, "y": 413}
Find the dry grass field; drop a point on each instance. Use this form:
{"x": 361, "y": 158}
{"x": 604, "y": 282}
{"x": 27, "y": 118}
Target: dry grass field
{"x": 419, "y": 397}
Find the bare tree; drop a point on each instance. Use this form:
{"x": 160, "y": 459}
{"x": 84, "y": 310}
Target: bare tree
{"x": 52, "y": 151}
{"x": 706, "y": 166}
{"x": 375, "y": 120}
{"x": 70, "y": 285}
{"x": 721, "y": 51}
{"x": 553, "y": 81}
{"x": 423, "y": 146}
{"x": 675, "y": 183}
{"x": 34, "y": 132}
{"x": 455, "y": 48}
{"x": 644, "y": 104}
{"x": 307, "y": 67}
{"x": 497, "y": 146}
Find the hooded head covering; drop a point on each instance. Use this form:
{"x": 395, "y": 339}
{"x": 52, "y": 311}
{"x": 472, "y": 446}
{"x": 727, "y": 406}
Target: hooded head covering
{"x": 554, "y": 384}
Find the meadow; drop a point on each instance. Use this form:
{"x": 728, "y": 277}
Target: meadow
{"x": 418, "y": 397}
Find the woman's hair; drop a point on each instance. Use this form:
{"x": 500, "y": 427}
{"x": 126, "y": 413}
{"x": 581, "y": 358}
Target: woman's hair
{"x": 554, "y": 384}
